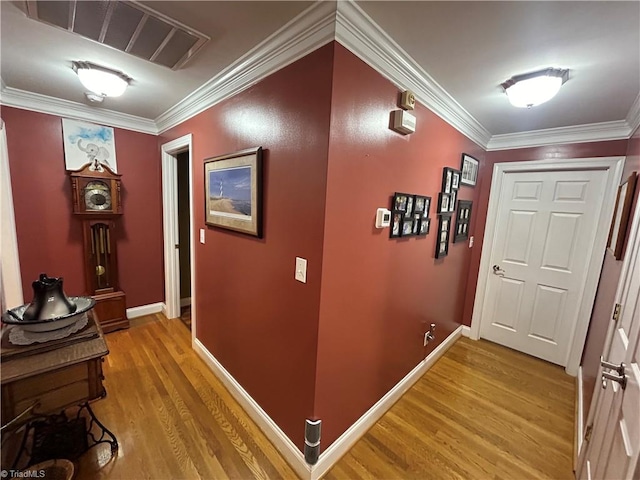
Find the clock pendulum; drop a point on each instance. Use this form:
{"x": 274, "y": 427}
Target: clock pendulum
{"x": 96, "y": 200}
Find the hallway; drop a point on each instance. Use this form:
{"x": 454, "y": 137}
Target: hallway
{"x": 483, "y": 411}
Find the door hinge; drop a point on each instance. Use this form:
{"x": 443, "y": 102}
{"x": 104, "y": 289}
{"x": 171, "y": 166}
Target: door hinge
{"x": 616, "y": 312}
{"x": 588, "y": 433}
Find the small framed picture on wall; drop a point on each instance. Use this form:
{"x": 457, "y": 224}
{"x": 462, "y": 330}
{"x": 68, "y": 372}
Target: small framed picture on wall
{"x": 443, "y": 202}
{"x": 469, "y": 169}
{"x": 400, "y": 201}
{"x": 463, "y": 218}
{"x": 442, "y": 240}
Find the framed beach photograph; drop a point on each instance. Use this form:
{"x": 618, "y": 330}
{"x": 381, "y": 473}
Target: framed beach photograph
{"x": 618, "y": 230}
{"x": 233, "y": 188}
{"x": 469, "y": 169}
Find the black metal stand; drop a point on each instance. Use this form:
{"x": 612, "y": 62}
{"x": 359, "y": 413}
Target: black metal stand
{"x": 63, "y": 436}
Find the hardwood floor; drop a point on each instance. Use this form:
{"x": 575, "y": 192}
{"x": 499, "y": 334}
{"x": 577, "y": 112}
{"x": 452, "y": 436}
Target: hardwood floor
{"x": 173, "y": 419}
{"x": 483, "y": 411}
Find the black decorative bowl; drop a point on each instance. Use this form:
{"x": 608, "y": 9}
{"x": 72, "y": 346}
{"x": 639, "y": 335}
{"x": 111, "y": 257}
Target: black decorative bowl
{"x": 15, "y": 316}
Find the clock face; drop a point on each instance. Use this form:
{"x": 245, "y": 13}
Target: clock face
{"x": 97, "y": 196}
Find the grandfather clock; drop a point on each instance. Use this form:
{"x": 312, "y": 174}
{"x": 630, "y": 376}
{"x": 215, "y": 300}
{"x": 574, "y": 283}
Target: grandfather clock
{"x": 96, "y": 201}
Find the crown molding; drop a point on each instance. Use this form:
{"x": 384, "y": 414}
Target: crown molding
{"x": 594, "y": 132}
{"x": 357, "y": 32}
{"x": 308, "y": 31}
{"x": 633, "y": 117}
{"x": 13, "y": 97}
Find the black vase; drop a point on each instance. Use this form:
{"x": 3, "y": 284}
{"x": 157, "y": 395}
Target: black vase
{"x": 49, "y": 300}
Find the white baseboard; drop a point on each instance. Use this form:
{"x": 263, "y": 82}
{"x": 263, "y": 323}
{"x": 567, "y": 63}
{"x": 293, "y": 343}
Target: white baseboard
{"x": 342, "y": 445}
{"x": 579, "y": 419}
{"x": 144, "y": 310}
{"x": 466, "y": 331}
{"x": 184, "y": 302}
{"x": 283, "y": 444}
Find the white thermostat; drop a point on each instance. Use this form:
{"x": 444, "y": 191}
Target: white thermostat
{"x": 383, "y": 218}
{"x": 404, "y": 122}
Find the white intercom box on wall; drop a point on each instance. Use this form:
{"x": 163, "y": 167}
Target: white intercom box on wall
{"x": 383, "y": 218}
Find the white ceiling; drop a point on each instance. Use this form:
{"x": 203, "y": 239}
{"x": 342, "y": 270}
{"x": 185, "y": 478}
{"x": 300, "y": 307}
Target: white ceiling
{"x": 468, "y": 48}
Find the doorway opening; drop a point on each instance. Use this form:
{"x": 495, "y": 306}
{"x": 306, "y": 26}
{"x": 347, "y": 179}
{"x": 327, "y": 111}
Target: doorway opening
{"x": 177, "y": 202}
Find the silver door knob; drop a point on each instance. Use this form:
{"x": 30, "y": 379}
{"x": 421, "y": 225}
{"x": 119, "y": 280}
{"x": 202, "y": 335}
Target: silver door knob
{"x": 612, "y": 366}
{"x": 621, "y": 379}
{"x": 498, "y": 271}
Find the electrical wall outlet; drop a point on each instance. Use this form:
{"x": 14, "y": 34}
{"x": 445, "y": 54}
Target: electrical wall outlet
{"x": 202, "y": 235}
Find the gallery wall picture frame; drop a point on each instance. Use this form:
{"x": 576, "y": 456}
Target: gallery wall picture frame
{"x": 396, "y": 224}
{"x": 455, "y": 179}
{"x": 469, "y": 170}
{"x": 233, "y": 191}
{"x": 443, "y": 202}
{"x": 425, "y": 224}
{"x": 463, "y": 218}
{"x": 447, "y": 179}
{"x": 452, "y": 201}
{"x": 442, "y": 240}
{"x": 407, "y": 226}
{"x": 618, "y": 230}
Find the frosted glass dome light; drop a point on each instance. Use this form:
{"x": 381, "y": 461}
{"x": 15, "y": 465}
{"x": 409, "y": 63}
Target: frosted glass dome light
{"x": 531, "y": 89}
{"x": 101, "y": 80}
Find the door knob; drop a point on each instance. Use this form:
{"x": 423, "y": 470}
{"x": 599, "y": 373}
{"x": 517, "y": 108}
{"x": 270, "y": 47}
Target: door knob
{"x": 621, "y": 379}
{"x": 612, "y": 366}
{"x": 498, "y": 271}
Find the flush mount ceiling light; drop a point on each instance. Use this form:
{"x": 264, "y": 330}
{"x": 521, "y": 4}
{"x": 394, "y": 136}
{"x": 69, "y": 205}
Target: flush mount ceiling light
{"x": 531, "y": 89}
{"x": 101, "y": 81}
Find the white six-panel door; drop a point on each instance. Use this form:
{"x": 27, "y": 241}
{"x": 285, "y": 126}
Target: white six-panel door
{"x": 545, "y": 229}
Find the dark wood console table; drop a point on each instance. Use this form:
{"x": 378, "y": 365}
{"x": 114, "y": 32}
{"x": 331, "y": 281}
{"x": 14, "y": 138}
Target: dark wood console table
{"x": 45, "y": 379}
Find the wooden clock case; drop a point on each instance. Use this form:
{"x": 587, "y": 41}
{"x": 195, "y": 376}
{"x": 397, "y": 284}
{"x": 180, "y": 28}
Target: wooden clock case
{"x": 99, "y": 223}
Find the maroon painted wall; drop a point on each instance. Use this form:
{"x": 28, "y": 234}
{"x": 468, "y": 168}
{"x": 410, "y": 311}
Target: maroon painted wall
{"x": 252, "y": 315}
{"x": 576, "y": 150}
{"x": 50, "y": 237}
{"x": 605, "y": 296}
{"x": 379, "y": 294}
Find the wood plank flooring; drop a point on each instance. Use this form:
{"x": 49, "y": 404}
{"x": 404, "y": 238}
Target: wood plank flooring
{"x": 483, "y": 411}
{"x": 172, "y": 417}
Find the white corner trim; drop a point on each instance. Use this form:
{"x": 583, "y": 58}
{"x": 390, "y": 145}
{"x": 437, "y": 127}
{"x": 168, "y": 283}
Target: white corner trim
{"x": 13, "y": 97}
{"x": 466, "y": 331}
{"x": 357, "y": 32}
{"x": 144, "y": 310}
{"x": 308, "y": 31}
{"x": 579, "y": 418}
{"x": 633, "y": 117}
{"x": 342, "y": 445}
{"x": 283, "y": 444}
{"x": 594, "y": 132}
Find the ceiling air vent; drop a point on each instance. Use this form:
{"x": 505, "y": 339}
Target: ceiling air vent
{"x": 127, "y": 26}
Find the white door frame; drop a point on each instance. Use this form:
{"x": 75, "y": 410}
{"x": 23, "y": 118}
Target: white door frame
{"x": 170, "y": 151}
{"x": 10, "y": 275}
{"x": 613, "y": 166}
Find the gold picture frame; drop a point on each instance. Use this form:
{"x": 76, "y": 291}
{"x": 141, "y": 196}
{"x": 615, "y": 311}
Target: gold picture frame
{"x": 233, "y": 191}
{"x": 618, "y": 230}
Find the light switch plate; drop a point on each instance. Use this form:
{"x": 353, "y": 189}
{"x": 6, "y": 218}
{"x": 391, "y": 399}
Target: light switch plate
{"x": 301, "y": 270}
{"x": 202, "y": 235}
{"x": 471, "y": 241}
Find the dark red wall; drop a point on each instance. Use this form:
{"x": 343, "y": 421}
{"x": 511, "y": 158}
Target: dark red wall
{"x": 259, "y": 322}
{"x": 378, "y": 294}
{"x": 575, "y": 150}
{"x": 605, "y": 296}
{"x": 50, "y": 237}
